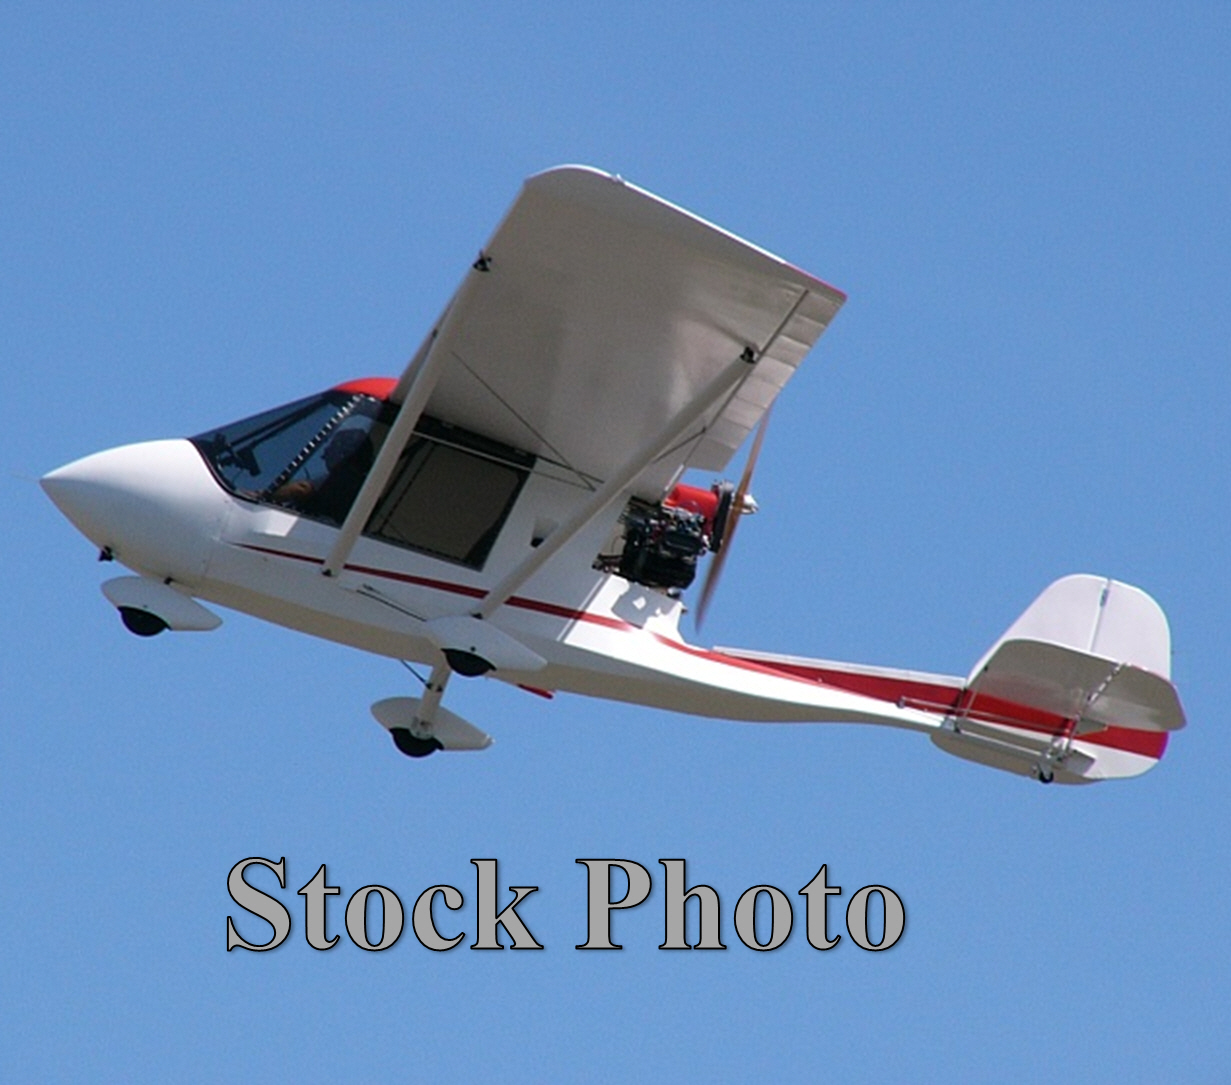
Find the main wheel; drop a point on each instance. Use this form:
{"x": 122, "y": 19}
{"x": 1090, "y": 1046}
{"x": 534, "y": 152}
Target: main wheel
{"x": 142, "y": 622}
{"x": 412, "y": 745}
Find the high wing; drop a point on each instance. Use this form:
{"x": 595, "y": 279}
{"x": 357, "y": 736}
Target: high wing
{"x": 609, "y": 332}
{"x": 597, "y": 313}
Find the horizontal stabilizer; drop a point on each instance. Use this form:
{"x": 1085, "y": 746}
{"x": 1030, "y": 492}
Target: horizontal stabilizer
{"x": 1075, "y": 685}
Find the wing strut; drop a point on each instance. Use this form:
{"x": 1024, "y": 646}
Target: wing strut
{"x": 414, "y": 387}
{"x": 713, "y": 393}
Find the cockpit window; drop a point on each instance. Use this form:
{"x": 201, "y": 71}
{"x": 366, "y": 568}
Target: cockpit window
{"x": 310, "y": 456}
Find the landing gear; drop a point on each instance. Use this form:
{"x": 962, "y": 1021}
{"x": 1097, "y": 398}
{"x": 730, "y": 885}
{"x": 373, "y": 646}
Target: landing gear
{"x": 420, "y": 726}
{"x": 413, "y": 746}
{"x": 1044, "y": 775}
{"x": 422, "y": 715}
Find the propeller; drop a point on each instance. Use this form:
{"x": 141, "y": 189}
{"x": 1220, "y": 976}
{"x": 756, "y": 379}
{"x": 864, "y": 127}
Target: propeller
{"x": 738, "y": 507}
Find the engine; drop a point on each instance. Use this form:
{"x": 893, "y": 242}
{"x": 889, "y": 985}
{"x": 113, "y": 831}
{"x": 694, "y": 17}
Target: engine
{"x": 662, "y": 542}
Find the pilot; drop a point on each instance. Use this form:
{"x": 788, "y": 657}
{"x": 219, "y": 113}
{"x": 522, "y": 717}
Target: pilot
{"x": 348, "y": 458}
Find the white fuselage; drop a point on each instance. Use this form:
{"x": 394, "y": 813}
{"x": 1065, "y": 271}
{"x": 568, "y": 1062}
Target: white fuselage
{"x": 157, "y": 508}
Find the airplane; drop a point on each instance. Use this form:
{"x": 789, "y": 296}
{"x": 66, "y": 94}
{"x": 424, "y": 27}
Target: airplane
{"x": 511, "y": 506}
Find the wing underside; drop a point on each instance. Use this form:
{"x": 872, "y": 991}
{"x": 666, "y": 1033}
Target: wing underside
{"x": 597, "y": 313}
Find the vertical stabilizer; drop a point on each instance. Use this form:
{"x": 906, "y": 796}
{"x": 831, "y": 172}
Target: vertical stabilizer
{"x": 1096, "y": 616}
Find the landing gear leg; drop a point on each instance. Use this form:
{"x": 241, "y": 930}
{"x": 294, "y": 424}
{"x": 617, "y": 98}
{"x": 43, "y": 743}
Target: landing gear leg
{"x": 417, "y": 740}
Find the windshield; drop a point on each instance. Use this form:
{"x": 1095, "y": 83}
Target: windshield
{"x": 311, "y": 455}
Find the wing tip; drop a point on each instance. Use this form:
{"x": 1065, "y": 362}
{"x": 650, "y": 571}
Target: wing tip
{"x": 577, "y": 181}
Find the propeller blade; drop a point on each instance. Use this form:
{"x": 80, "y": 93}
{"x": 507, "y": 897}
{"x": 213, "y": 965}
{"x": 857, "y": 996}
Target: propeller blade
{"x": 737, "y": 512}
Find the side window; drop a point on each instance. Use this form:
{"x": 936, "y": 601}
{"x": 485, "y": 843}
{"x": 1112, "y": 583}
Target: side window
{"x": 324, "y": 483}
{"x": 449, "y": 500}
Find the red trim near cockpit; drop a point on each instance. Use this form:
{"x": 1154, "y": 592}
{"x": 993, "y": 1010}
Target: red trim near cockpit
{"x": 376, "y": 387}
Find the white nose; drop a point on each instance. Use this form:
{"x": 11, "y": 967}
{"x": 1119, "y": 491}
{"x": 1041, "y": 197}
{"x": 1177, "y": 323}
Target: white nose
{"x": 155, "y": 506}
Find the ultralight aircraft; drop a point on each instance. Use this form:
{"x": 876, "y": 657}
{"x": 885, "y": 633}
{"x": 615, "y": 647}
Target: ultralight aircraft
{"x": 511, "y": 506}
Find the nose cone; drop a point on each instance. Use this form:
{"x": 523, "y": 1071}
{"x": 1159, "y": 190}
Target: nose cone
{"x": 154, "y": 505}
{"x": 82, "y": 489}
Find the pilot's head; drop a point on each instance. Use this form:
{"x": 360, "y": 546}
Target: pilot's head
{"x": 347, "y": 445}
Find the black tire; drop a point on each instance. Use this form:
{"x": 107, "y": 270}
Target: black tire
{"x": 413, "y": 746}
{"x": 142, "y": 622}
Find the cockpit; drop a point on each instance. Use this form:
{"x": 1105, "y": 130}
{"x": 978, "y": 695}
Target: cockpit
{"x": 448, "y": 496}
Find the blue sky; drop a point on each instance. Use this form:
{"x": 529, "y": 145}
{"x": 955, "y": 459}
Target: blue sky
{"x": 206, "y": 213}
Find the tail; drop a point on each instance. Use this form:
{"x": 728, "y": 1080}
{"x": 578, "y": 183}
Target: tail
{"x": 1078, "y": 689}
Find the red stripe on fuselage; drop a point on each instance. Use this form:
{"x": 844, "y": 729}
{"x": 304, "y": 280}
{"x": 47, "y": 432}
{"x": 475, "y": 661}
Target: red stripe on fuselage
{"x": 910, "y": 692}
{"x": 454, "y": 588}
{"x": 934, "y": 696}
